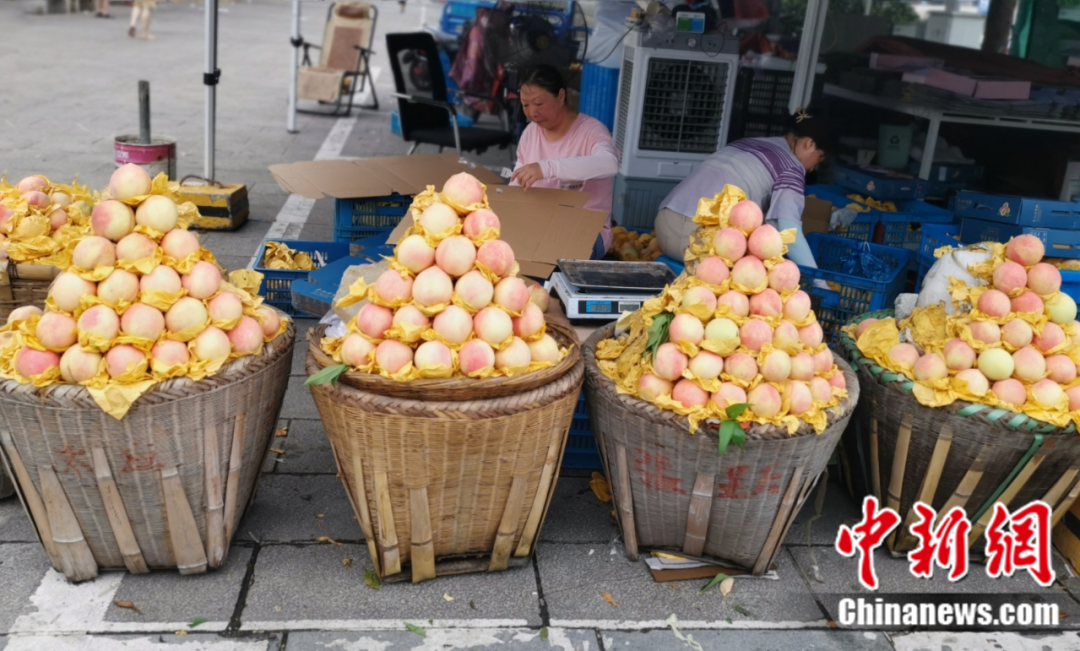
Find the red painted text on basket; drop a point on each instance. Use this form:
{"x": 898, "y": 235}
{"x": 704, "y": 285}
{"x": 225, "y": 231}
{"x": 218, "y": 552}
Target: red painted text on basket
{"x": 738, "y": 488}
{"x": 947, "y": 545}
{"x": 1025, "y": 546}
{"x": 76, "y": 460}
{"x": 141, "y": 457}
{"x": 865, "y": 537}
{"x": 651, "y": 467}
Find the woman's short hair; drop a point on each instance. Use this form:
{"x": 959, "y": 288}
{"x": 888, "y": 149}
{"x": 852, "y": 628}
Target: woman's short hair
{"x": 804, "y": 124}
{"x": 546, "y": 77}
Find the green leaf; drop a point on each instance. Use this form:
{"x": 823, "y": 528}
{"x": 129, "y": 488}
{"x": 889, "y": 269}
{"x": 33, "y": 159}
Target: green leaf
{"x": 658, "y": 331}
{"x": 416, "y": 629}
{"x": 726, "y": 432}
{"x": 728, "y": 619}
{"x": 734, "y": 411}
{"x": 328, "y": 374}
{"x": 717, "y": 580}
{"x": 372, "y": 579}
{"x": 197, "y": 621}
{"x": 742, "y": 611}
{"x": 738, "y": 436}
{"x": 544, "y": 634}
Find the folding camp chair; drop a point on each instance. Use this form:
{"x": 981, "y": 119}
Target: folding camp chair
{"x": 344, "y": 59}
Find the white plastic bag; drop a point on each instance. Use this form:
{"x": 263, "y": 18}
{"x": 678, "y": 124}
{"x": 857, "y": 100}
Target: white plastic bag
{"x": 608, "y": 30}
{"x": 935, "y": 288}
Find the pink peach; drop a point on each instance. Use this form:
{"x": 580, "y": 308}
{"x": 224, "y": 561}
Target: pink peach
{"x": 686, "y": 327}
{"x": 530, "y": 321}
{"x": 122, "y": 358}
{"x": 786, "y": 335}
{"x": 669, "y": 362}
{"x": 994, "y": 303}
{"x": 141, "y": 320}
{"x": 454, "y": 324}
{"x": 31, "y": 184}
{"x": 1029, "y": 364}
{"x": 30, "y": 361}
{"x": 475, "y": 355}
{"x": 749, "y": 272}
{"x": 463, "y": 189}
{"x": 986, "y": 332}
{"x": 1010, "y": 391}
{"x": 798, "y": 397}
{"x": 211, "y": 344}
{"x": 1074, "y": 398}
{"x": 432, "y": 287}
{"x": 767, "y": 304}
{"x": 785, "y": 276}
{"x": 1010, "y": 277}
{"x": 119, "y": 287}
{"x": 802, "y": 367}
{"x": 56, "y": 330}
{"x": 539, "y": 297}
{"x": 479, "y": 221}
{"x": 135, "y": 246}
{"x": 247, "y": 337}
{"x": 765, "y": 242}
{"x": 930, "y": 367}
{"x": 729, "y": 394}
{"x": 688, "y": 394}
{"x": 438, "y": 218}
{"x": 161, "y": 279}
{"x": 414, "y": 253}
{"x": 129, "y": 181}
{"x": 699, "y": 296}
{"x": 203, "y": 281}
{"x": 179, "y": 243}
{"x": 755, "y": 333}
{"x": 545, "y": 349}
{"x": 741, "y": 367}
{"x": 823, "y": 361}
{"x": 729, "y": 244}
{"x": 78, "y": 365}
{"x": 1044, "y": 279}
{"x": 497, "y": 256}
{"x": 112, "y": 220}
{"x": 812, "y": 335}
{"x": 356, "y": 351}
{"x": 764, "y": 400}
{"x": 92, "y": 252}
{"x": 1017, "y": 333}
{"x": 455, "y": 255}
{"x": 516, "y": 355}
{"x": 433, "y": 355}
{"x": 746, "y": 216}
{"x": 1047, "y": 393}
{"x": 1060, "y": 369}
{"x": 158, "y": 213}
{"x": 959, "y": 356}
{"x": 1025, "y": 250}
{"x": 37, "y": 199}
{"x": 475, "y": 290}
{"x": 68, "y": 289}
{"x": 57, "y": 218}
{"x": 712, "y": 270}
{"x": 391, "y": 287}
{"x": 392, "y": 356}
{"x": 777, "y": 366}
{"x": 1027, "y": 302}
{"x": 820, "y": 389}
{"x": 493, "y": 325}
{"x": 797, "y": 306}
{"x": 173, "y": 353}
{"x": 271, "y": 322}
{"x": 512, "y": 294}
{"x": 905, "y": 355}
{"x": 738, "y": 303}
{"x": 706, "y": 365}
{"x": 977, "y": 383}
{"x": 226, "y": 306}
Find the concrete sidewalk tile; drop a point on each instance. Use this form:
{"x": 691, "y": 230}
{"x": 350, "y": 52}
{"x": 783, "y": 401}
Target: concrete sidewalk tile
{"x": 307, "y": 450}
{"x": 15, "y": 524}
{"x": 21, "y": 568}
{"x": 957, "y": 641}
{"x": 114, "y": 642}
{"x": 316, "y": 231}
{"x": 447, "y": 639}
{"x": 311, "y": 583}
{"x": 300, "y": 348}
{"x": 166, "y": 596}
{"x": 745, "y": 640}
{"x": 298, "y": 401}
{"x": 577, "y": 516}
{"x": 839, "y": 507}
{"x": 270, "y": 463}
{"x": 573, "y": 580}
{"x": 287, "y": 507}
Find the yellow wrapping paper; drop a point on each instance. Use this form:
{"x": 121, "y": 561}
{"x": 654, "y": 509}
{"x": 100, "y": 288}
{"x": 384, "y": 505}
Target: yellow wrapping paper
{"x": 159, "y": 299}
{"x": 278, "y": 255}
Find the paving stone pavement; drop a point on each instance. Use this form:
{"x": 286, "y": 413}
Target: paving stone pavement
{"x": 281, "y": 588}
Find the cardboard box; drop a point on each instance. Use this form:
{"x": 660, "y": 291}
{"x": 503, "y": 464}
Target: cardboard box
{"x": 936, "y": 78}
{"x": 994, "y": 88}
{"x": 880, "y": 61}
{"x": 816, "y": 215}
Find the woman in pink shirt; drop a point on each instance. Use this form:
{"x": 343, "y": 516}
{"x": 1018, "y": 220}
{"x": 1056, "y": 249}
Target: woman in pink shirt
{"x": 564, "y": 149}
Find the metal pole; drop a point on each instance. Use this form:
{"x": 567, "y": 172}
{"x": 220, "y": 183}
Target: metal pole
{"x": 144, "y": 112}
{"x": 806, "y": 63}
{"x": 210, "y": 79}
{"x": 294, "y": 66}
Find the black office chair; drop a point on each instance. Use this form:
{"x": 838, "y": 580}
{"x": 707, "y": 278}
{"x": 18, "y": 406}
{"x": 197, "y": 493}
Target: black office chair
{"x": 425, "y": 113}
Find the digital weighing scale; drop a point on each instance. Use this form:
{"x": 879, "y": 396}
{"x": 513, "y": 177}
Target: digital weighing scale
{"x": 595, "y": 303}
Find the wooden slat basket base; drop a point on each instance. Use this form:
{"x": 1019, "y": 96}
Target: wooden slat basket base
{"x": 673, "y": 492}
{"x": 7, "y": 486}
{"x": 448, "y": 487}
{"x": 23, "y": 284}
{"x": 163, "y": 488}
{"x": 965, "y": 455}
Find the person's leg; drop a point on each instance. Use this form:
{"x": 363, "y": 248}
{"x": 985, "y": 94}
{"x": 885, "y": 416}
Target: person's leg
{"x": 673, "y": 230}
{"x": 134, "y": 19}
{"x": 147, "y": 14}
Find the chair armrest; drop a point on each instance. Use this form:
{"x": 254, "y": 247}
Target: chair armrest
{"x": 427, "y": 100}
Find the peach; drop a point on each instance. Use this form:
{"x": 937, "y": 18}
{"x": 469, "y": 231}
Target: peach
{"x": 738, "y": 303}
{"x": 37, "y": 199}
{"x": 226, "y": 306}
{"x": 651, "y": 387}
{"x": 30, "y": 361}
{"x": 802, "y": 367}
{"x": 777, "y": 366}
{"x": 56, "y": 330}
{"x": 811, "y": 335}
{"x": 475, "y": 290}
{"x": 669, "y": 362}
{"x": 799, "y": 397}
{"x": 1044, "y": 279}
{"x": 1052, "y": 336}
{"x": 820, "y": 389}
{"x": 6, "y": 213}
{"x": 497, "y": 256}
{"x": 129, "y": 181}
{"x": 785, "y": 276}
{"x": 512, "y": 294}
{"x": 373, "y": 320}
{"x": 755, "y": 333}
{"x": 455, "y": 255}
{"x": 247, "y": 337}
{"x": 838, "y": 381}
{"x": 863, "y": 325}
{"x": 414, "y": 253}
{"x": 412, "y": 316}
{"x": 767, "y": 304}
{"x": 157, "y": 213}
{"x": 271, "y": 322}
{"x": 746, "y": 216}
{"x": 454, "y": 324}
{"x": 706, "y": 365}
{"x": 161, "y": 279}
{"x": 1010, "y": 391}
{"x": 539, "y": 297}
{"x": 1027, "y": 302}
{"x": 765, "y": 242}
{"x": 530, "y": 321}
{"x": 172, "y": 353}
{"x": 930, "y": 367}
{"x": 1017, "y": 333}
{"x": 68, "y": 288}
{"x": 135, "y": 246}
{"x": 433, "y": 355}
{"x": 1060, "y": 369}
{"x": 1010, "y": 277}
{"x": 712, "y": 270}
{"x": 438, "y": 218}
{"x": 686, "y": 327}
{"x": 185, "y": 313}
{"x": 57, "y": 218}
{"x": 977, "y": 383}
{"x": 112, "y": 220}
{"x": 83, "y": 206}
{"x": 100, "y": 321}
{"x": 994, "y": 303}
{"x": 78, "y": 365}
{"x": 749, "y": 272}
{"x": 204, "y": 280}
{"x": 92, "y": 252}
{"x": 1047, "y": 393}
{"x": 493, "y": 325}
{"x": 392, "y": 356}
{"x": 741, "y": 367}
{"x": 392, "y": 287}
{"x": 356, "y": 351}
{"x": 179, "y": 243}
{"x": 729, "y": 244}
{"x": 60, "y": 199}
{"x": 797, "y": 306}
{"x": 729, "y": 394}
{"x": 1061, "y": 308}
{"x": 141, "y": 320}
{"x": 1028, "y": 364}
{"x": 545, "y": 349}
{"x": 688, "y": 394}
{"x": 516, "y": 355}
{"x": 823, "y": 361}
{"x": 764, "y": 400}
{"x": 699, "y": 296}
{"x": 985, "y": 331}
{"x": 905, "y": 355}
{"x": 996, "y": 363}
{"x": 120, "y": 359}
{"x": 1074, "y": 398}
{"x": 119, "y": 287}
{"x": 721, "y": 330}
{"x": 475, "y": 355}
{"x": 31, "y": 184}
{"x": 212, "y": 344}
{"x": 479, "y": 221}
{"x": 463, "y": 189}
{"x": 1025, "y": 250}
{"x": 959, "y": 356}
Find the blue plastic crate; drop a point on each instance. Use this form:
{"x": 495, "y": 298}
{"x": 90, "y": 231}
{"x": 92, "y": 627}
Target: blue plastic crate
{"x": 356, "y": 219}
{"x": 898, "y": 229}
{"x": 310, "y": 299}
{"x": 458, "y": 12}
{"x": 1021, "y": 211}
{"x": 599, "y": 93}
{"x": 879, "y": 185}
{"x": 581, "y": 451}
{"x": 862, "y": 229}
{"x": 674, "y": 265}
{"x": 1058, "y": 243}
{"x": 934, "y": 236}
{"x": 276, "y": 287}
{"x": 856, "y": 295}
{"x": 1070, "y": 284}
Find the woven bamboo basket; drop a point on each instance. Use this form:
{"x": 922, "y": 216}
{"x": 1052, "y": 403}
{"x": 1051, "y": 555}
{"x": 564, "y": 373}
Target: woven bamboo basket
{"x": 23, "y": 284}
{"x": 964, "y": 455}
{"x": 449, "y": 487}
{"x": 673, "y": 492}
{"x": 7, "y": 487}
{"x": 165, "y": 487}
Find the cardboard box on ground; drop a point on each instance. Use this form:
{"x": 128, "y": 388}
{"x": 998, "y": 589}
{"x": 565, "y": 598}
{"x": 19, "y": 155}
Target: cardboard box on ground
{"x": 816, "y": 215}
